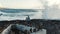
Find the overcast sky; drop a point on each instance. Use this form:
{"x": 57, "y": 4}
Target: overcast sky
{"x": 25, "y": 3}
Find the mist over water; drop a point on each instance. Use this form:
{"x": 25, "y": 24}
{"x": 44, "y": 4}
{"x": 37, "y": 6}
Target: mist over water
{"x": 52, "y": 9}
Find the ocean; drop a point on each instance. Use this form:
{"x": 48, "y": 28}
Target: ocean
{"x": 19, "y": 14}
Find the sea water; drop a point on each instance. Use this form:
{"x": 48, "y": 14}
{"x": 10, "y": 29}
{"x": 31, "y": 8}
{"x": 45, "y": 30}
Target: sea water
{"x": 19, "y": 14}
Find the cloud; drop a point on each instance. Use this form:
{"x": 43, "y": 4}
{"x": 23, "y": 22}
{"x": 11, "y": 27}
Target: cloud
{"x": 1, "y": 5}
{"x": 21, "y": 3}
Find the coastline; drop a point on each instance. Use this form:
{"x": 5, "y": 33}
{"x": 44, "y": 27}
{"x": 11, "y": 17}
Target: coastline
{"x": 46, "y": 24}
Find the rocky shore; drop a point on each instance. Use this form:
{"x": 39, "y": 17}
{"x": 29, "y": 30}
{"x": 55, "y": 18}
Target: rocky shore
{"x": 52, "y": 26}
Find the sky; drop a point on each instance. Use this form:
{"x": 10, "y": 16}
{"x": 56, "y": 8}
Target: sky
{"x": 26, "y": 4}
{"x": 20, "y": 3}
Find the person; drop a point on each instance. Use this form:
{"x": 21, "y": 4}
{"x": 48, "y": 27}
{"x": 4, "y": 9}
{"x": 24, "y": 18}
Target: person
{"x": 28, "y": 19}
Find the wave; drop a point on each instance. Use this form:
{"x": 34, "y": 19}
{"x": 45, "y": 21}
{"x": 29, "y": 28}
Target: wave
{"x": 21, "y": 15}
{"x": 17, "y": 10}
